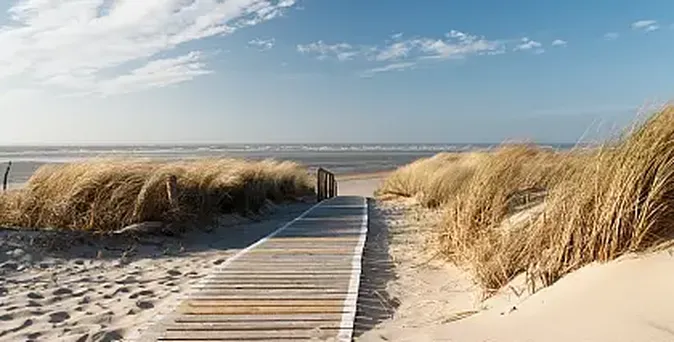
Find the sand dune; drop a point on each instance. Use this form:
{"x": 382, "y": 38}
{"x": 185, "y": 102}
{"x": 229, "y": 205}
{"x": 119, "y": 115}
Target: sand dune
{"x": 625, "y": 300}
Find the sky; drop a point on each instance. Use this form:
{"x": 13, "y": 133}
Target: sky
{"x": 320, "y": 71}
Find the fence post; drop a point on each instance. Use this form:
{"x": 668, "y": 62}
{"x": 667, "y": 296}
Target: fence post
{"x": 319, "y": 176}
{"x": 172, "y": 189}
{"x": 6, "y": 178}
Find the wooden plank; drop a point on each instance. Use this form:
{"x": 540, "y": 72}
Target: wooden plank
{"x": 267, "y": 287}
{"x": 268, "y": 325}
{"x": 271, "y": 292}
{"x": 278, "y": 281}
{"x": 303, "y": 251}
{"x": 224, "y": 335}
{"x": 256, "y": 318}
{"x": 186, "y": 308}
{"x": 286, "y": 269}
{"x": 279, "y": 275}
{"x": 309, "y": 240}
{"x": 266, "y": 302}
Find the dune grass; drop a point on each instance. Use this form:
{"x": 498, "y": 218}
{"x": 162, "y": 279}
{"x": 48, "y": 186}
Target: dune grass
{"x": 573, "y": 208}
{"x": 433, "y": 181}
{"x": 106, "y": 195}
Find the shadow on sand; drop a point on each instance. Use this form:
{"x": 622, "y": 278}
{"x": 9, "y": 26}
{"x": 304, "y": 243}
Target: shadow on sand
{"x": 374, "y": 303}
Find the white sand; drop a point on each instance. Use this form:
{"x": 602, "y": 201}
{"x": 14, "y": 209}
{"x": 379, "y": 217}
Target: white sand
{"x": 102, "y": 290}
{"x": 629, "y": 299}
{"x": 359, "y": 185}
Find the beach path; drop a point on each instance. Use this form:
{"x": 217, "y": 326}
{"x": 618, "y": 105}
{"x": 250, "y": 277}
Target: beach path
{"x": 299, "y": 283}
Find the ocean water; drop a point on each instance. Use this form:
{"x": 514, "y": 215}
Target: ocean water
{"x": 339, "y": 158}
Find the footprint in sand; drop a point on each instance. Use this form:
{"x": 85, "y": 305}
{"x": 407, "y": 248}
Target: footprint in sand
{"x": 35, "y": 295}
{"x": 219, "y": 261}
{"x": 62, "y": 291}
{"x": 141, "y": 293}
{"x": 37, "y": 313}
{"x": 173, "y": 273}
{"x": 25, "y": 324}
{"x": 143, "y": 304}
{"x": 127, "y": 280}
{"x": 33, "y": 336}
{"x": 58, "y": 317}
{"x": 107, "y": 336}
{"x": 6, "y": 317}
{"x": 84, "y": 300}
{"x": 33, "y": 303}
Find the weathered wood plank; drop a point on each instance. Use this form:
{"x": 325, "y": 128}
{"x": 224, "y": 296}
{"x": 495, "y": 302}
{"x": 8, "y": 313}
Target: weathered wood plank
{"x": 252, "y": 335}
{"x": 266, "y": 302}
{"x": 257, "y": 318}
{"x": 269, "y": 325}
{"x": 186, "y": 308}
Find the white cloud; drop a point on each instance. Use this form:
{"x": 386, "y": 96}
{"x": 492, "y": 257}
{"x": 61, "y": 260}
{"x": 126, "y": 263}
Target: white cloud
{"x": 397, "y": 36}
{"x": 262, "y": 44}
{"x": 389, "y": 67}
{"x": 89, "y": 45}
{"x": 157, "y": 73}
{"x": 340, "y": 51}
{"x": 455, "y": 45}
{"x": 559, "y": 42}
{"x": 528, "y": 44}
{"x": 645, "y": 25}
{"x": 395, "y": 51}
{"x": 611, "y": 36}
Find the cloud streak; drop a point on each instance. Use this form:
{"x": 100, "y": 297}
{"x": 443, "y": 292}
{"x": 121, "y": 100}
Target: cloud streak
{"x": 559, "y": 42}
{"x": 111, "y": 46}
{"x": 645, "y": 25}
{"x": 262, "y": 44}
{"x": 454, "y": 45}
{"x": 611, "y": 36}
{"x": 527, "y": 44}
{"x": 389, "y": 67}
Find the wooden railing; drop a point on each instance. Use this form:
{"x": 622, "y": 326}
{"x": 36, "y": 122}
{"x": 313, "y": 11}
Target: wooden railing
{"x": 326, "y": 185}
{"x": 6, "y": 177}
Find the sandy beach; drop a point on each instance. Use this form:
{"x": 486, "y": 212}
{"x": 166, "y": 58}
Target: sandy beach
{"x": 70, "y": 287}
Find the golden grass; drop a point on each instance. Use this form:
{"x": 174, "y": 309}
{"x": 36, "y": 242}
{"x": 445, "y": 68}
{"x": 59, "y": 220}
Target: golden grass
{"x": 572, "y": 208}
{"x": 622, "y": 202}
{"x": 433, "y": 180}
{"x": 106, "y": 195}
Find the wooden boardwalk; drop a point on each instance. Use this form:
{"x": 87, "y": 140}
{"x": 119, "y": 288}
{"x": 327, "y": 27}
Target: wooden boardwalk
{"x": 300, "y": 283}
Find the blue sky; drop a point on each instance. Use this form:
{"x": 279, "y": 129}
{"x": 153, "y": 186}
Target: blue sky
{"x": 162, "y": 71}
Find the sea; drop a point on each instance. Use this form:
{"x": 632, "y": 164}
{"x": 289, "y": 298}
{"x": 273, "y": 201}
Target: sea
{"x": 342, "y": 159}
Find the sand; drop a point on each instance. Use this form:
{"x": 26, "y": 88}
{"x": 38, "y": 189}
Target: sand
{"x": 72, "y": 287}
{"x": 363, "y": 184}
{"x": 628, "y": 299}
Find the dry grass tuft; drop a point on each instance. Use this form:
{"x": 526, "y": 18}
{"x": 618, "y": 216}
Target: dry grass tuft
{"x": 433, "y": 181}
{"x": 623, "y": 202}
{"x": 515, "y": 178}
{"x": 548, "y": 213}
{"x": 106, "y": 195}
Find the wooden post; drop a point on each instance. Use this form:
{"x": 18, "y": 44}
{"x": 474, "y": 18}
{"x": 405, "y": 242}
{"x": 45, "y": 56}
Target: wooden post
{"x": 319, "y": 176}
{"x": 172, "y": 189}
{"x": 6, "y": 178}
{"x": 325, "y": 185}
{"x": 331, "y": 185}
